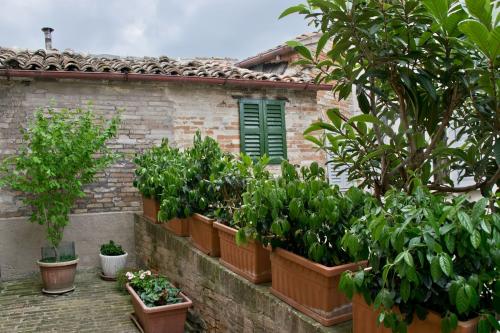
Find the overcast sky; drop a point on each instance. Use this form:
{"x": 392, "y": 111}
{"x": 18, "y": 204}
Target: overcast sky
{"x": 176, "y": 28}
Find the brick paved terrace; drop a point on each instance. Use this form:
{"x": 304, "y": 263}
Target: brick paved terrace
{"x": 94, "y": 306}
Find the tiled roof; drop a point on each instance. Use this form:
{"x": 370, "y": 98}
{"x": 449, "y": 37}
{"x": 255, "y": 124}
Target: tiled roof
{"x": 307, "y": 39}
{"x": 69, "y": 61}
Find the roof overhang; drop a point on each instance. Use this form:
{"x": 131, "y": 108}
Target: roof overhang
{"x": 21, "y": 73}
{"x": 264, "y": 57}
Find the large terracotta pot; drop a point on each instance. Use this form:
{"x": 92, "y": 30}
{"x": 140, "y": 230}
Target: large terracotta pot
{"x": 150, "y": 208}
{"x": 310, "y": 287}
{"x": 250, "y": 261}
{"x": 179, "y": 227}
{"x": 159, "y": 319}
{"x": 58, "y": 277}
{"x": 110, "y": 265}
{"x": 365, "y": 321}
{"x": 203, "y": 234}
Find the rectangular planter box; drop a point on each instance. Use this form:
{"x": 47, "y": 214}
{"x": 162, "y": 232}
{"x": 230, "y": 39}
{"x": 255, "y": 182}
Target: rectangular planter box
{"x": 203, "y": 234}
{"x": 250, "y": 261}
{"x": 178, "y": 226}
{"x": 365, "y": 320}
{"x": 166, "y": 318}
{"x": 150, "y": 208}
{"x": 310, "y": 287}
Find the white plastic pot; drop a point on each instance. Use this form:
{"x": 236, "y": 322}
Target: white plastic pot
{"x": 112, "y": 264}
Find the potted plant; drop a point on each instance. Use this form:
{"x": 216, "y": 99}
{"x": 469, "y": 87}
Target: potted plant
{"x": 158, "y": 306}
{"x": 434, "y": 265}
{"x": 161, "y": 179}
{"x": 113, "y": 259}
{"x": 304, "y": 218}
{"x": 205, "y": 160}
{"x": 61, "y": 152}
{"x": 249, "y": 259}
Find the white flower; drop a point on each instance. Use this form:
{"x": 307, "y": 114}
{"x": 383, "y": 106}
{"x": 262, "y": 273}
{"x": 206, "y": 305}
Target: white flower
{"x": 143, "y": 274}
{"x": 129, "y": 275}
{"x": 147, "y": 273}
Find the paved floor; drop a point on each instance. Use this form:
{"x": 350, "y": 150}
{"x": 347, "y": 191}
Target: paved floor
{"x": 95, "y": 306}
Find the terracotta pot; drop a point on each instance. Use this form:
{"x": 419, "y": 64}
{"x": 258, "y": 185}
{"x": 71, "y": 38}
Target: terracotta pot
{"x": 159, "y": 319}
{"x": 203, "y": 234}
{"x": 179, "y": 227}
{"x": 310, "y": 287}
{"x": 365, "y": 320}
{"x": 250, "y": 261}
{"x": 150, "y": 208}
{"x": 58, "y": 277}
{"x": 110, "y": 265}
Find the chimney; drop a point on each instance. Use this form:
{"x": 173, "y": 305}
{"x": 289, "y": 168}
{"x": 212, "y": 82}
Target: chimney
{"x": 48, "y": 37}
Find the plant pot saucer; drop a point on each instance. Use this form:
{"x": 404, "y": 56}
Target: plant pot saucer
{"x": 107, "y": 278}
{"x": 58, "y": 291}
{"x": 136, "y": 321}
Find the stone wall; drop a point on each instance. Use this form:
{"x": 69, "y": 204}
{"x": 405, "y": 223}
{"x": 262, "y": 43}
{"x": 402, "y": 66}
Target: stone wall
{"x": 151, "y": 111}
{"x": 223, "y": 301}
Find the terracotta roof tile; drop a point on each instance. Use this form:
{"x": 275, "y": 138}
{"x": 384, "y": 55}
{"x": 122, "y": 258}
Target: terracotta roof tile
{"x": 66, "y": 61}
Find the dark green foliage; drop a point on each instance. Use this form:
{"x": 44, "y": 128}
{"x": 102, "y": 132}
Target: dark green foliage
{"x": 299, "y": 212}
{"x": 427, "y": 252}
{"x": 426, "y": 77}
{"x": 61, "y": 152}
{"x": 112, "y": 249}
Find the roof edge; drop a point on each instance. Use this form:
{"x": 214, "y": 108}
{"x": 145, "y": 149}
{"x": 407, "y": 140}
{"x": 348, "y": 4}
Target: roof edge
{"x": 263, "y": 57}
{"x": 160, "y": 78}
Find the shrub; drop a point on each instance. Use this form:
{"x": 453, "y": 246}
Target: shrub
{"x": 153, "y": 290}
{"x": 229, "y": 181}
{"x": 61, "y": 152}
{"x": 299, "y": 212}
{"x": 428, "y": 252}
{"x": 112, "y": 249}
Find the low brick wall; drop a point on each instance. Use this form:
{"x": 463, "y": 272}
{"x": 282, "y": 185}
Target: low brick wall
{"x": 223, "y": 301}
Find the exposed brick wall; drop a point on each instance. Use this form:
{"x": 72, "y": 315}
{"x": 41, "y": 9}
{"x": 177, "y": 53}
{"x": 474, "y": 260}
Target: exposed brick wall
{"x": 151, "y": 111}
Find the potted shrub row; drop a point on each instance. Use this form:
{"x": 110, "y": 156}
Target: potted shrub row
{"x": 433, "y": 265}
{"x": 62, "y": 150}
{"x": 158, "y": 305}
{"x": 303, "y": 218}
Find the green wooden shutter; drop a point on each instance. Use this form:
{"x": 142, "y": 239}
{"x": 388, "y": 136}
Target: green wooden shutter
{"x": 275, "y": 130}
{"x": 252, "y": 138}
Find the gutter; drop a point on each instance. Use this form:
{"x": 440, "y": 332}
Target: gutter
{"x": 38, "y": 74}
{"x": 263, "y": 57}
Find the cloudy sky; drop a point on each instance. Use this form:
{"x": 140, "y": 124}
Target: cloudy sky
{"x": 176, "y": 28}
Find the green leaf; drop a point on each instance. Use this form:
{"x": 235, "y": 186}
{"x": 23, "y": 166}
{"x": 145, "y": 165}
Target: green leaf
{"x": 365, "y": 118}
{"x": 480, "y": 9}
{"x": 462, "y": 301}
{"x": 301, "y": 49}
{"x": 334, "y": 116}
{"x": 321, "y": 44}
{"x": 497, "y": 151}
{"x": 479, "y": 209}
{"x": 475, "y": 239}
{"x": 477, "y": 33}
{"x": 291, "y": 10}
{"x": 436, "y": 272}
{"x": 446, "y": 264}
{"x": 438, "y": 9}
{"x": 405, "y": 290}
{"x": 408, "y": 259}
{"x": 465, "y": 221}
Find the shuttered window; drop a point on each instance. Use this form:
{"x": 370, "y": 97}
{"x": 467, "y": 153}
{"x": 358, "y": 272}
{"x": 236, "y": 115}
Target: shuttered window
{"x": 262, "y": 128}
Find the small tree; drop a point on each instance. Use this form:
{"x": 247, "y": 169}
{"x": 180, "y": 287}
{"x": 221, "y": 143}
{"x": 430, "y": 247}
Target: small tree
{"x": 423, "y": 70}
{"x": 61, "y": 152}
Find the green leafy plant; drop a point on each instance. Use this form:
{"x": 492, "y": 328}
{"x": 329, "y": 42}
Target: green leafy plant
{"x": 229, "y": 181}
{"x": 300, "y": 212}
{"x": 112, "y": 249}
{"x": 426, "y": 78}
{"x": 154, "y": 290}
{"x": 61, "y": 152}
{"x": 428, "y": 252}
{"x": 161, "y": 173}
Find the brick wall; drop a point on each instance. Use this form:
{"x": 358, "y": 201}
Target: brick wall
{"x": 151, "y": 111}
